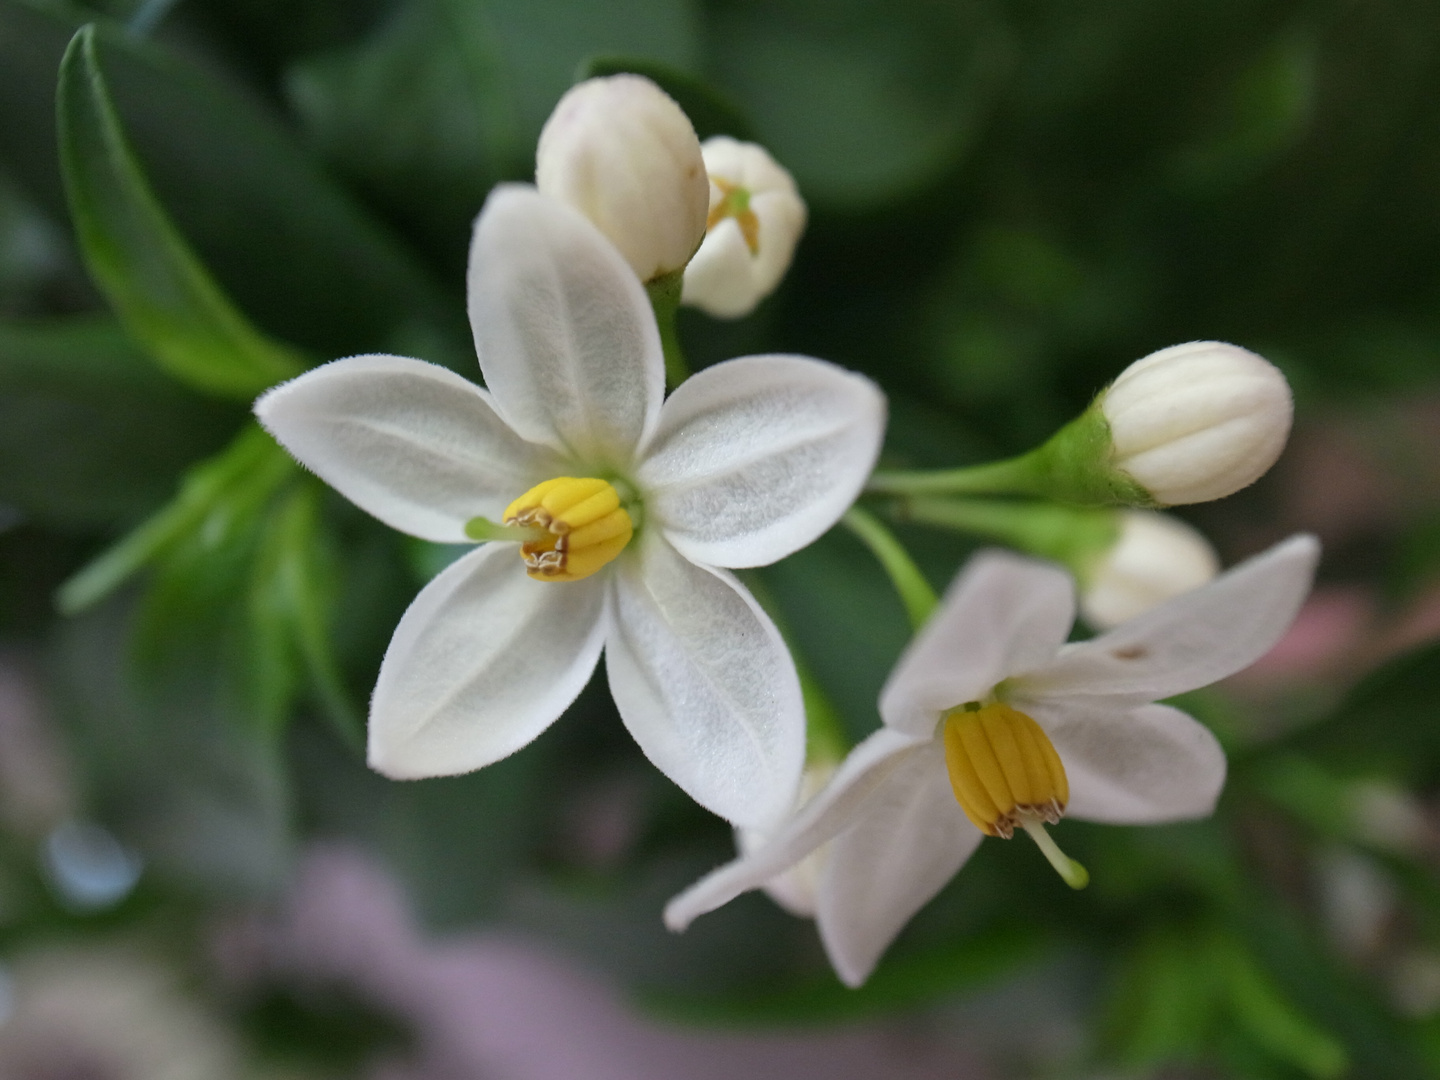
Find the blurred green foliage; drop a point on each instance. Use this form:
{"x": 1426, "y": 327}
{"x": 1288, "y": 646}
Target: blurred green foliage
{"x": 1010, "y": 201}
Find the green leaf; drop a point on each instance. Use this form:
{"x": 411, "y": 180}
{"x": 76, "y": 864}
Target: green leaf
{"x": 898, "y": 984}
{"x": 293, "y": 250}
{"x": 1262, "y": 1010}
{"x": 91, "y": 433}
{"x": 157, "y": 286}
{"x": 861, "y": 103}
{"x": 710, "y": 110}
{"x": 172, "y": 763}
{"x": 218, "y": 499}
{"x": 290, "y": 605}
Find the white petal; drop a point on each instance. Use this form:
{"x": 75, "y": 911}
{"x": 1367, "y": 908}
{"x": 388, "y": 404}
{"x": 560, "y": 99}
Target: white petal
{"x": 705, "y": 684}
{"x": 911, "y": 840}
{"x": 1148, "y": 765}
{"x": 411, "y": 443}
{"x": 755, "y": 458}
{"x": 1003, "y": 613}
{"x": 565, "y": 335}
{"x": 482, "y": 662}
{"x": 830, "y": 813}
{"x": 1188, "y": 642}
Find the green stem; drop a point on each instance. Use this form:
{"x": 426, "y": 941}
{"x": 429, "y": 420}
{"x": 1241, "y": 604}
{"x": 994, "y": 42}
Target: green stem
{"x": 1015, "y": 476}
{"x": 1076, "y": 536}
{"x": 664, "y": 293}
{"x": 915, "y": 592}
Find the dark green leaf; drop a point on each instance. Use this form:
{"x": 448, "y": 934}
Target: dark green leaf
{"x": 293, "y": 251}
{"x": 91, "y": 434}
{"x": 709, "y": 110}
{"x": 157, "y": 286}
{"x": 860, "y": 105}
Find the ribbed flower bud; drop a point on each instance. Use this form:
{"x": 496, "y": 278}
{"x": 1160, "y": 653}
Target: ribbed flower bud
{"x": 1198, "y": 421}
{"x": 756, "y": 218}
{"x": 1154, "y": 557}
{"x": 620, "y": 151}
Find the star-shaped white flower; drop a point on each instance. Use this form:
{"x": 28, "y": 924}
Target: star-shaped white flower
{"x": 745, "y": 463}
{"x": 995, "y": 650}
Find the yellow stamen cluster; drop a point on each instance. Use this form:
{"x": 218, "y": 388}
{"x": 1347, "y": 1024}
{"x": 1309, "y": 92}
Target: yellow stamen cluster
{"x": 1003, "y": 768}
{"x": 735, "y": 202}
{"x": 585, "y": 523}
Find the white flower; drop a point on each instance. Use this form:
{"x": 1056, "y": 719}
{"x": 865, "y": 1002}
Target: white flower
{"x": 1197, "y": 422}
{"x": 619, "y": 150}
{"x": 794, "y": 889}
{"x": 1154, "y": 558}
{"x": 756, "y": 218}
{"x": 746, "y": 462}
{"x": 990, "y": 716}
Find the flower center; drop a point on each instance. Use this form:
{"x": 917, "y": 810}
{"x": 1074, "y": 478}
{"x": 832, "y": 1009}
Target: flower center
{"x": 584, "y": 526}
{"x": 735, "y": 202}
{"x": 1005, "y": 773}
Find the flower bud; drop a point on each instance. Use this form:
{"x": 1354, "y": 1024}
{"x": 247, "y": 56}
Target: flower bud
{"x": 1154, "y": 557}
{"x": 1198, "y": 421}
{"x": 756, "y": 218}
{"x": 620, "y": 151}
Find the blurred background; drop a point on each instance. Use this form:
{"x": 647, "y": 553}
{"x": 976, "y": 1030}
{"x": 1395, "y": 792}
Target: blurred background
{"x": 1010, "y": 201}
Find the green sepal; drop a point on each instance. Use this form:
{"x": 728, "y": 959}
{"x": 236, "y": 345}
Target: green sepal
{"x": 157, "y": 285}
{"x": 1076, "y": 465}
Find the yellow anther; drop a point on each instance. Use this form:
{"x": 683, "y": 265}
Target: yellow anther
{"x": 735, "y": 202}
{"x": 1003, "y": 768}
{"x": 586, "y": 525}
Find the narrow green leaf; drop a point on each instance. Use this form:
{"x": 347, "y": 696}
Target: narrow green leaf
{"x": 156, "y": 284}
{"x": 215, "y": 497}
{"x": 1262, "y": 1010}
{"x": 291, "y": 614}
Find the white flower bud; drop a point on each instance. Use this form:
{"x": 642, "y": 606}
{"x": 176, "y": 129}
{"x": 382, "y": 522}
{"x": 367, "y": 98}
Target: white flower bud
{"x": 1154, "y": 558}
{"x": 756, "y": 218}
{"x": 1198, "y": 421}
{"x": 620, "y": 151}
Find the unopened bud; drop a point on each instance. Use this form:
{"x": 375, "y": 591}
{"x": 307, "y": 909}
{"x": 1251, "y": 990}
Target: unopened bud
{"x": 756, "y": 218}
{"x": 620, "y": 151}
{"x": 1198, "y": 421}
{"x": 1155, "y": 557}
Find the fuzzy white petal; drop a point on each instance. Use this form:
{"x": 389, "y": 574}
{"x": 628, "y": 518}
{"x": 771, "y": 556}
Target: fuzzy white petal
{"x": 754, "y": 458}
{"x": 1149, "y": 765}
{"x": 912, "y": 839}
{"x": 410, "y": 443}
{"x": 705, "y": 684}
{"x": 565, "y": 335}
{"x": 839, "y": 806}
{"x": 482, "y": 662}
{"x": 1004, "y": 613}
{"x": 1190, "y": 641}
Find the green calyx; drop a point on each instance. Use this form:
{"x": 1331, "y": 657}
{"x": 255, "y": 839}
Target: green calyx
{"x": 1075, "y": 466}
